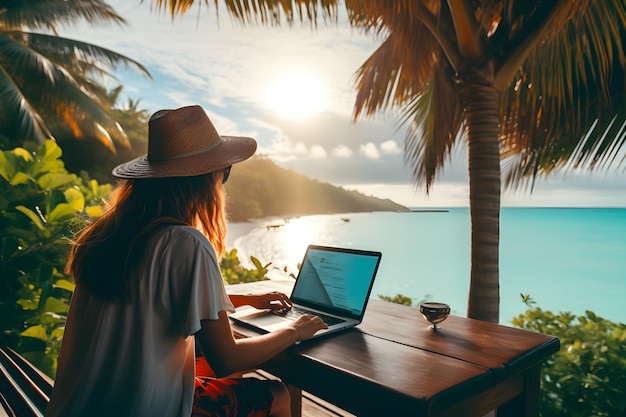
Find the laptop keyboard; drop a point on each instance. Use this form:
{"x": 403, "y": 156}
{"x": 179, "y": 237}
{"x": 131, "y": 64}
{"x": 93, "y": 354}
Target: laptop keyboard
{"x": 295, "y": 312}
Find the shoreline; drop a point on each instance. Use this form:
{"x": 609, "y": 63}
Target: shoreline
{"x": 237, "y": 230}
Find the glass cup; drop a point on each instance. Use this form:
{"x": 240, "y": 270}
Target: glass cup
{"x": 434, "y": 313}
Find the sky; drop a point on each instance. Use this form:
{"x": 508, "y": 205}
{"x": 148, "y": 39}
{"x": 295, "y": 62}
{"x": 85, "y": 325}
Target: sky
{"x": 293, "y": 89}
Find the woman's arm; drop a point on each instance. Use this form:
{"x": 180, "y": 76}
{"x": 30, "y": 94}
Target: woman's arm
{"x": 227, "y": 355}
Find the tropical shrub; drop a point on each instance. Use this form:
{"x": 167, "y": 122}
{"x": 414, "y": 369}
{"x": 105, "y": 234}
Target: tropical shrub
{"x": 39, "y": 203}
{"x": 587, "y": 377}
{"x": 234, "y": 273}
{"x": 397, "y": 299}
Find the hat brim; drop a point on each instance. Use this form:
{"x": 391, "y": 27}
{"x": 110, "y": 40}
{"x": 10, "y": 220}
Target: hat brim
{"x": 231, "y": 150}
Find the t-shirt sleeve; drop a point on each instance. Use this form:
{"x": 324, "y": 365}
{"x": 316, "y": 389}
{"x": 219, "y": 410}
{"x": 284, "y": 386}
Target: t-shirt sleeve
{"x": 195, "y": 281}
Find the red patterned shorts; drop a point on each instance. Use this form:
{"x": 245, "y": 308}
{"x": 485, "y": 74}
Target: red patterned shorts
{"x": 230, "y": 397}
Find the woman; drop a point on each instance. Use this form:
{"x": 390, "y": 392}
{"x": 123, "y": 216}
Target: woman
{"x": 148, "y": 285}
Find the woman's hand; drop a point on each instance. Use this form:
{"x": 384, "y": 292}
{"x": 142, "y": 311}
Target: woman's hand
{"x": 307, "y": 325}
{"x": 273, "y": 300}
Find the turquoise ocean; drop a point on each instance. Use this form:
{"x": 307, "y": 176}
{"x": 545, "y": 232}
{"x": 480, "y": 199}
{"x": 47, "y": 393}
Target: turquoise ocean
{"x": 566, "y": 259}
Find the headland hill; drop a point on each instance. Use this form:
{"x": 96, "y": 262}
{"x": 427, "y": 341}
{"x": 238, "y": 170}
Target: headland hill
{"x": 259, "y": 188}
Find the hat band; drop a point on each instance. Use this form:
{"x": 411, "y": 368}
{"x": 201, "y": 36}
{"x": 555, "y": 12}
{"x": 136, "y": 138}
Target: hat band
{"x": 170, "y": 158}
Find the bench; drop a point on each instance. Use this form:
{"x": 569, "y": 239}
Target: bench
{"x": 24, "y": 389}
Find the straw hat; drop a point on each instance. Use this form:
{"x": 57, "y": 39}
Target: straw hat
{"x": 184, "y": 143}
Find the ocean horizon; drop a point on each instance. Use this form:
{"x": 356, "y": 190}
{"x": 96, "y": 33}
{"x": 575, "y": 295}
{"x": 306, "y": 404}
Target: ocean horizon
{"x": 566, "y": 259}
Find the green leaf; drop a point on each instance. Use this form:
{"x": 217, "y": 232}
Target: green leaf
{"x": 75, "y": 198}
{"x": 54, "y": 305}
{"x": 61, "y": 212}
{"x": 24, "y": 154}
{"x": 256, "y": 262}
{"x": 93, "y": 184}
{"x": 94, "y": 211}
{"x": 64, "y": 284}
{"x": 47, "y": 319}
{"x": 31, "y": 215}
{"x": 51, "y": 181}
{"x": 41, "y": 168}
{"x": 37, "y": 332}
{"x": 51, "y": 151}
{"x": 5, "y": 167}
{"x": 28, "y": 304}
{"x": 27, "y": 293}
{"x": 57, "y": 333}
{"x": 20, "y": 178}
{"x": 4, "y": 203}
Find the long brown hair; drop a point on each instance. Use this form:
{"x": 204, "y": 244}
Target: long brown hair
{"x": 105, "y": 253}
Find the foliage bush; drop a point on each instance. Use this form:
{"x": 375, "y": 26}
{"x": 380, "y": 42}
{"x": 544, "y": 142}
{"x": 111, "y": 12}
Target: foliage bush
{"x": 39, "y": 203}
{"x": 397, "y": 299}
{"x": 587, "y": 377}
{"x": 234, "y": 273}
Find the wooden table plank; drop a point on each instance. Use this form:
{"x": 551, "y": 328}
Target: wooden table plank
{"x": 502, "y": 348}
{"x": 383, "y": 375}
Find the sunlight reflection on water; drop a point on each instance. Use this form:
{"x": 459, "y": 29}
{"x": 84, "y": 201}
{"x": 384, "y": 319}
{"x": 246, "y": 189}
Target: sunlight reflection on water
{"x": 415, "y": 249}
{"x": 284, "y": 242}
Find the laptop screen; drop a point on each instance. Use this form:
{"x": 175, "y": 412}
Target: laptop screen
{"x": 336, "y": 280}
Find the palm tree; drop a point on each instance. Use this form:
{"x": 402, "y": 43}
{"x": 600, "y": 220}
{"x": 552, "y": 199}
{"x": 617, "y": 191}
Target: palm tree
{"x": 91, "y": 155}
{"x": 47, "y": 81}
{"x": 536, "y": 85}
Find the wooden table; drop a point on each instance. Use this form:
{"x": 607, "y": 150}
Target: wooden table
{"x": 393, "y": 364}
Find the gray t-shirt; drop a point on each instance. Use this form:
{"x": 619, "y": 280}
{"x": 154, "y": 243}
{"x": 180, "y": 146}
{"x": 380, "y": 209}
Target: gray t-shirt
{"x": 137, "y": 358}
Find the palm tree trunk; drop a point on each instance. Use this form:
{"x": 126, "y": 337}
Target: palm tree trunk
{"x": 481, "y": 112}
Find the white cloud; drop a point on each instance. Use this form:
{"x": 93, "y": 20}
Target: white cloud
{"x": 224, "y": 125}
{"x": 341, "y": 151}
{"x": 445, "y": 195}
{"x": 369, "y": 150}
{"x": 281, "y": 150}
{"x": 262, "y": 124}
{"x": 390, "y": 147}
{"x": 318, "y": 152}
{"x": 299, "y": 149}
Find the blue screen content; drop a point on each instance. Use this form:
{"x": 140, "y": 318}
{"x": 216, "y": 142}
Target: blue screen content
{"x": 340, "y": 280}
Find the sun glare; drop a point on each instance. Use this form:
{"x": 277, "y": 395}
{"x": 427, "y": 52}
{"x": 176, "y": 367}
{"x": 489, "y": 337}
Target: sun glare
{"x": 295, "y": 95}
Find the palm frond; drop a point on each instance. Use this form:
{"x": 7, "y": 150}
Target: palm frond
{"x": 391, "y": 75}
{"x": 436, "y": 121}
{"x": 16, "y": 106}
{"x": 568, "y": 107}
{"x": 371, "y": 16}
{"x": 70, "y": 97}
{"x": 272, "y": 11}
{"x": 264, "y": 12}
{"x": 37, "y": 14}
{"x": 380, "y": 18}
{"x": 81, "y": 54}
{"x": 177, "y": 7}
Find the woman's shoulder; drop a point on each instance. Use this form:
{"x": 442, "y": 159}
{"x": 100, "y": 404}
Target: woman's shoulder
{"x": 182, "y": 238}
{"x": 180, "y": 232}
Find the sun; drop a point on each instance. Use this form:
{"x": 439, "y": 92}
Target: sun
{"x": 295, "y": 95}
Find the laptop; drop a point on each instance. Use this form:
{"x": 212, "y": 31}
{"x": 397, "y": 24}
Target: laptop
{"x": 333, "y": 283}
